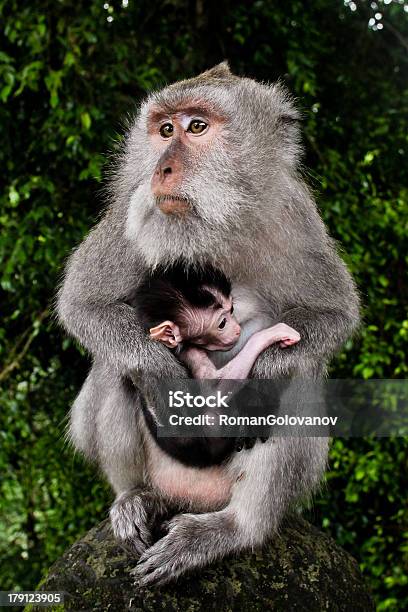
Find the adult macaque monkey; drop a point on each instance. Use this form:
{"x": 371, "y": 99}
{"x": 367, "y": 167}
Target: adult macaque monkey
{"x": 208, "y": 174}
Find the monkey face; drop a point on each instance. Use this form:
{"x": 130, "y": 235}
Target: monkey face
{"x": 197, "y": 163}
{"x": 224, "y": 334}
{"x": 184, "y": 203}
{"x": 181, "y": 138}
{"x": 215, "y": 329}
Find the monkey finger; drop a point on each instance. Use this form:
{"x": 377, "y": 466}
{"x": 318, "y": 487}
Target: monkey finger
{"x": 143, "y": 578}
{"x": 147, "y": 565}
{"x": 164, "y": 561}
{"x": 285, "y": 343}
{"x": 249, "y": 443}
{"x": 157, "y": 577}
{"x": 239, "y": 444}
{"x": 160, "y": 551}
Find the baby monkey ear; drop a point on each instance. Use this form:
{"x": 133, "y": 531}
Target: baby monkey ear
{"x": 166, "y": 332}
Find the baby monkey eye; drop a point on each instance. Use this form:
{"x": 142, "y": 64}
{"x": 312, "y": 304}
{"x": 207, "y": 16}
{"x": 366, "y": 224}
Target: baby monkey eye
{"x": 232, "y": 309}
{"x": 222, "y": 324}
{"x": 197, "y": 126}
{"x": 166, "y": 130}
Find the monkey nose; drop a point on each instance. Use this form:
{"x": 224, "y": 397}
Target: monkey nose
{"x": 162, "y": 173}
{"x": 163, "y": 177}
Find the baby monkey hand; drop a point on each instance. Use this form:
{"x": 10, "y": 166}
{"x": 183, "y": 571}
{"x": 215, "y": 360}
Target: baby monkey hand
{"x": 279, "y": 333}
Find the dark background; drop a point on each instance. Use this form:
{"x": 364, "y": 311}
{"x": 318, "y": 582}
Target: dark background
{"x": 70, "y": 73}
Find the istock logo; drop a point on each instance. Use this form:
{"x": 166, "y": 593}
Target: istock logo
{"x": 178, "y": 399}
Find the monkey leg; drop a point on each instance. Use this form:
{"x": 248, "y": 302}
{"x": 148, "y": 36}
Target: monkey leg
{"x": 273, "y": 478}
{"x": 192, "y": 541}
{"x": 106, "y": 424}
{"x": 253, "y": 514}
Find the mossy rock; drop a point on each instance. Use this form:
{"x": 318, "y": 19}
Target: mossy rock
{"x": 301, "y": 569}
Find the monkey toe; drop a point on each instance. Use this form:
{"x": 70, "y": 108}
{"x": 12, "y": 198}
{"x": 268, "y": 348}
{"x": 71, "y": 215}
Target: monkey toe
{"x": 173, "y": 555}
{"x": 158, "y": 564}
{"x": 135, "y": 542}
{"x": 134, "y": 547}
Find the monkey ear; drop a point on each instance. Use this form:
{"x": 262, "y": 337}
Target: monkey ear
{"x": 289, "y": 119}
{"x": 166, "y": 332}
{"x": 283, "y": 101}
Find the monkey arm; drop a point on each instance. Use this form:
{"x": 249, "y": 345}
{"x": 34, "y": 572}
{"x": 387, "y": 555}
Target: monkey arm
{"x": 322, "y": 334}
{"x": 100, "y": 278}
{"x": 324, "y": 309}
{"x": 240, "y": 366}
{"x": 199, "y": 363}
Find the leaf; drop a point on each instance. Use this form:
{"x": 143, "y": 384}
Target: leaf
{"x": 86, "y": 120}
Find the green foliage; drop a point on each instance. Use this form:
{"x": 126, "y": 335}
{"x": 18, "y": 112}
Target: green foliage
{"x": 69, "y": 74}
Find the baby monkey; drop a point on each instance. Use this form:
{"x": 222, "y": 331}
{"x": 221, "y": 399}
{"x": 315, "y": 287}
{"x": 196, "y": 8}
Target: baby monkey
{"x": 192, "y": 312}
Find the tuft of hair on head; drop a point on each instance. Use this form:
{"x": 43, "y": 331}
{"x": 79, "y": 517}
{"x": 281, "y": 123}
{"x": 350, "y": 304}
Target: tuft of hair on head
{"x": 219, "y": 71}
{"x": 193, "y": 281}
{"x": 166, "y": 292}
{"x": 220, "y": 74}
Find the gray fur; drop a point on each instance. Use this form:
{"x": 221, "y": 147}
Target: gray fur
{"x": 133, "y": 515}
{"x": 255, "y": 219}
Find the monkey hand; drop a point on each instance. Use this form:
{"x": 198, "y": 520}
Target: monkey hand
{"x": 192, "y": 541}
{"x": 280, "y": 333}
{"x": 247, "y": 443}
{"x": 132, "y": 514}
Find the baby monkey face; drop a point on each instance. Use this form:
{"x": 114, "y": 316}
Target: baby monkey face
{"x": 214, "y": 328}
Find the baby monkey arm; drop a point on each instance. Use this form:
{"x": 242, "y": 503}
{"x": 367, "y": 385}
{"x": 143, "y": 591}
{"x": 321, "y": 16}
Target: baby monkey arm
{"x": 240, "y": 366}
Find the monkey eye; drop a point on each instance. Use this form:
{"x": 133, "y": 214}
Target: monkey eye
{"x": 222, "y": 324}
{"x": 232, "y": 309}
{"x": 197, "y": 126}
{"x": 166, "y": 130}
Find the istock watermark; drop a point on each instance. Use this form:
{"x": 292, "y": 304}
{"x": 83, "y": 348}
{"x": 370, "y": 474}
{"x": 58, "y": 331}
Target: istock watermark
{"x": 225, "y": 420}
{"x": 298, "y": 407}
{"x": 179, "y": 399}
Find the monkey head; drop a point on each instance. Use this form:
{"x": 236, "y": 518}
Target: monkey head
{"x": 199, "y": 164}
{"x": 214, "y": 327}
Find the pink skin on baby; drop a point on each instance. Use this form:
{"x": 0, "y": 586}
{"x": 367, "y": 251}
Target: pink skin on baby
{"x": 240, "y": 366}
{"x": 216, "y": 329}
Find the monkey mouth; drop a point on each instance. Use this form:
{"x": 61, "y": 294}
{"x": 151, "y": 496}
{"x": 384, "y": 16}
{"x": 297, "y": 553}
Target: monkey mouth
{"x": 173, "y": 205}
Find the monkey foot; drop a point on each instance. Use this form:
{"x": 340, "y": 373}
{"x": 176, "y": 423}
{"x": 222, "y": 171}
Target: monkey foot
{"x": 186, "y": 546}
